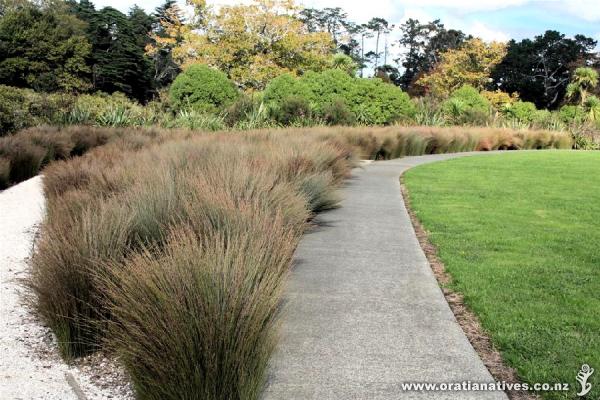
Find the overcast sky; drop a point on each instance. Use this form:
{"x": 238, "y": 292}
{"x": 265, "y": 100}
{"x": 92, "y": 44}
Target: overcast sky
{"x": 488, "y": 19}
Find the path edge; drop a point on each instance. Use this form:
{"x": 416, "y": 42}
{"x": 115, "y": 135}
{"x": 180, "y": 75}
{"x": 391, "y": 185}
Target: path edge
{"x": 466, "y": 318}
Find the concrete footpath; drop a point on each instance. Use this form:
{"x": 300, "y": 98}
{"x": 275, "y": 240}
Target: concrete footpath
{"x": 364, "y": 312}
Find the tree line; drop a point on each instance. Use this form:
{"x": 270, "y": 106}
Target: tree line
{"x": 69, "y": 45}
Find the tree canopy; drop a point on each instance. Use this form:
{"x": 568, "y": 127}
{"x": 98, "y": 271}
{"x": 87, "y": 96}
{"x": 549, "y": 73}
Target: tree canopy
{"x": 70, "y": 46}
{"x": 43, "y": 48}
{"x": 540, "y": 69}
{"x": 254, "y": 43}
{"x": 470, "y": 64}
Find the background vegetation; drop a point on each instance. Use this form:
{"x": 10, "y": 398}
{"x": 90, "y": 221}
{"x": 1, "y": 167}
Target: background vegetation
{"x": 272, "y": 63}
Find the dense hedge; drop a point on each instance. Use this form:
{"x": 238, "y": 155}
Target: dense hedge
{"x": 338, "y": 97}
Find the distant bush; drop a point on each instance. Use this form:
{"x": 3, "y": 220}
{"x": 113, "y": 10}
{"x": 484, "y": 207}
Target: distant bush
{"x": 103, "y": 109}
{"x": 521, "y": 111}
{"x": 196, "y": 120}
{"x": 335, "y": 97}
{"x": 291, "y": 110}
{"x": 22, "y": 108}
{"x": 499, "y": 99}
{"x": 428, "y": 111}
{"x": 338, "y": 113}
{"x": 467, "y": 106}
{"x": 592, "y": 106}
{"x": 240, "y": 109}
{"x": 570, "y": 114}
{"x": 284, "y": 86}
{"x": 375, "y": 102}
{"x": 202, "y": 88}
{"x": 12, "y": 112}
{"x": 328, "y": 86}
{"x": 249, "y": 112}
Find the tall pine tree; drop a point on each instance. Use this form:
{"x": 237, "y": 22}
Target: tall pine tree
{"x": 118, "y": 59}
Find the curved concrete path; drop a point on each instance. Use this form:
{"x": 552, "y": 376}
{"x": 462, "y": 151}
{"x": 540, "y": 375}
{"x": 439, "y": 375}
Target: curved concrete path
{"x": 364, "y": 311}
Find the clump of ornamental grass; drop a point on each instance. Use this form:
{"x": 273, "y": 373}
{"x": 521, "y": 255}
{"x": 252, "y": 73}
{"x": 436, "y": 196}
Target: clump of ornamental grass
{"x": 4, "y": 172}
{"x": 108, "y": 208}
{"x": 26, "y": 158}
{"x": 73, "y": 247}
{"x": 199, "y": 319}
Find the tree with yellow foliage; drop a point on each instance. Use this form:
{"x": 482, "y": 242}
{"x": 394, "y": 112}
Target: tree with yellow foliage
{"x": 471, "y": 64}
{"x": 253, "y": 43}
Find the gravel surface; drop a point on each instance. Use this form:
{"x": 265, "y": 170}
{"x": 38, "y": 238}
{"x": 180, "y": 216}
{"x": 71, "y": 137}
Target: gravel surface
{"x": 30, "y": 366}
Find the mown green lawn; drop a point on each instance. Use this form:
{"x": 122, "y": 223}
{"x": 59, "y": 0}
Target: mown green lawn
{"x": 520, "y": 235}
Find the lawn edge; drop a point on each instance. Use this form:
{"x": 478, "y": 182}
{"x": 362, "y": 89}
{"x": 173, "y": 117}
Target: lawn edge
{"x": 466, "y": 318}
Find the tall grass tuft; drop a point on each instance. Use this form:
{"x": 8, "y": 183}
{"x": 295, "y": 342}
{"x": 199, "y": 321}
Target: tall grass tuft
{"x": 26, "y": 158}
{"x": 4, "y": 172}
{"x": 202, "y": 260}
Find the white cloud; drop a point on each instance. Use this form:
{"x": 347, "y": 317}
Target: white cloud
{"x": 588, "y": 10}
{"x": 465, "y": 6}
{"x": 486, "y": 33}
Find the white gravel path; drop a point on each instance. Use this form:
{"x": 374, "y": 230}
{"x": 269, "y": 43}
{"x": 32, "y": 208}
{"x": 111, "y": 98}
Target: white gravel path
{"x": 30, "y": 367}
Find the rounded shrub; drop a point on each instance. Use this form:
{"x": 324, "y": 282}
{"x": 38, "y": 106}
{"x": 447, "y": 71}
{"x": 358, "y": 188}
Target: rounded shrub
{"x": 372, "y": 101}
{"x": 340, "y": 98}
{"x": 542, "y": 117}
{"x": 378, "y": 103}
{"x": 466, "y": 105}
{"x": 203, "y": 89}
{"x": 284, "y": 86}
{"x": 326, "y": 87}
{"x": 522, "y": 111}
{"x": 570, "y": 114}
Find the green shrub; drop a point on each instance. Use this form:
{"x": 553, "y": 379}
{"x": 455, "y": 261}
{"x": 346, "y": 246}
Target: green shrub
{"x": 372, "y": 101}
{"x": 543, "y": 118}
{"x": 284, "y": 86}
{"x": 342, "y": 99}
{"x": 248, "y": 112}
{"x": 328, "y": 86}
{"x": 570, "y": 114}
{"x": 22, "y": 108}
{"x": 345, "y": 63}
{"x": 592, "y": 106}
{"x": 521, "y": 111}
{"x": 105, "y": 110}
{"x": 338, "y": 113}
{"x": 202, "y": 88}
{"x": 466, "y": 106}
{"x": 291, "y": 110}
{"x": 197, "y": 120}
{"x": 12, "y": 113}
{"x": 375, "y": 102}
{"x": 428, "y": 111}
